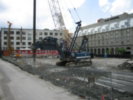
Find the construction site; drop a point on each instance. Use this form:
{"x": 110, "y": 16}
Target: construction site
{"x": 69, "y": 63}
{"x": 103, "y": 79}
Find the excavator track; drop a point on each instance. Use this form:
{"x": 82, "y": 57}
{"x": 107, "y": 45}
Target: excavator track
{"x": 74, "y": 64}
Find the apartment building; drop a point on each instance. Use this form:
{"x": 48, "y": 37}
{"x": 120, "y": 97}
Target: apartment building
{"x": 23, "y": 38}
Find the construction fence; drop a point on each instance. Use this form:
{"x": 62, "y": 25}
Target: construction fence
{"x": 29, "y": 53}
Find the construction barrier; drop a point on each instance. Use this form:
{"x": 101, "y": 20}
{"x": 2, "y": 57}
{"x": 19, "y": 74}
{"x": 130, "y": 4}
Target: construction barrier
{"x": 30, "y": 52}
{"x": 6, "y": 53}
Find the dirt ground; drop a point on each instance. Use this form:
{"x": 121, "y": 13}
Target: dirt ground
{"x": 104, "y": 71}
{"x": 110, "y": 64}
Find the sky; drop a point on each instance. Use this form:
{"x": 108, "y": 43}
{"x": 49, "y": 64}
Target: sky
{"x": 20, "y": 12}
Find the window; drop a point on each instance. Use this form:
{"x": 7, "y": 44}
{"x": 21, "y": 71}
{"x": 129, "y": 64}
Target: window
{"x": 23, "y": 33}
{"x": 23, "y": 43}
{"x": 17, "y": 48}
{"x": 99, "y": 29}
{"x": 29, "y": 43}
{"x": 29, "y": 38}
{"x": 51, "y": 33}
{"x": 103, "y": 30}
{"x": 40, "y": 38}
{"x": 116, "y": 25}
{"x": 17, "y": 43}
{"x": 12, "y": 38}
{"x": 45, "y": 33}
{"x": 128, "y": 30}
{"x": 122, "y": 26}
{"x": 56, "y": 34}
{"x": 60, "y": 34}
{"x": 12, "y": 32}
{"x": 17, "y": 38}
{"x": 5, "y": 32}
{"x": 17, "y": 32}
{"x": 23, "y": 38}
{"x": 112, "y": 28}
{"x": 5, "y": 38}
{"x": 127, "y": 24}
{"x": 29, "y": 34}
{"x": 5, "y": 43}
{"x": 12, "y": 43}
{"x": 40, "y": 33}
{"x": 128, "y": 48}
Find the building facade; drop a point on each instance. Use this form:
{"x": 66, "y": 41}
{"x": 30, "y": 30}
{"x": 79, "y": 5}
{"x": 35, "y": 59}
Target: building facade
{"x": 23, "y": 38}
{"x": 110, "y": 36}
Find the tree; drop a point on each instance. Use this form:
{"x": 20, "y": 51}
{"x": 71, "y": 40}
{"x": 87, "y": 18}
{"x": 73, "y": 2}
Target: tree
{"x": 121, "y": 50}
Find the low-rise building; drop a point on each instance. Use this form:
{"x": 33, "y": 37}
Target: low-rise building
{"x": 23, "y": 38}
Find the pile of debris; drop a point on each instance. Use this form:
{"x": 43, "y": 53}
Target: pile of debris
{"x": 128, "y": 65}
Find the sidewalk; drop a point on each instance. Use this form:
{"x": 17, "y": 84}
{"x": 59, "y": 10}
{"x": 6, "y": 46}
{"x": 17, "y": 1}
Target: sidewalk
{"x": 24, "y": 86}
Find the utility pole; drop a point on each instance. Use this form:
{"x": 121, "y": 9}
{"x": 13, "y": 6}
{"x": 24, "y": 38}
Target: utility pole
{"x": 21, "y": 32}
{"x": 34, "y": 30}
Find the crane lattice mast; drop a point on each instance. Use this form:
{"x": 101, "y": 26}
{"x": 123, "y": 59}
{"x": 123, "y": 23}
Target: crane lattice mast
{"x": 58, "y": 19}
{"x": 56, "y": 14}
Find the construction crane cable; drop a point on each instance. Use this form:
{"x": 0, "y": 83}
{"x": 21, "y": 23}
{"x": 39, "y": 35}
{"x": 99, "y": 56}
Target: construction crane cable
{"x": 75, "y": 10}
{"x": 66, "y": 6}
{"x": 70, "y": 12}
{"x": 71, "y": 15}
{"x": 77, "y": 13}
{"x": 51, "y": 12}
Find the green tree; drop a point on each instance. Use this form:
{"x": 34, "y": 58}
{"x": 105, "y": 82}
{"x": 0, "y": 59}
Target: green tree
{"x": 121, "y": 50}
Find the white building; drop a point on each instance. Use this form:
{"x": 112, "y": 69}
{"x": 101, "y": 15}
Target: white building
{"x": 110, "y": 35}
{"x": 23, "y": 38}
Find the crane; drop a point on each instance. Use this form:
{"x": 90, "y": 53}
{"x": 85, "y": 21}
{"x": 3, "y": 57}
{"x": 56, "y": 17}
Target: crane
{"x": 9, "y": 48}
{"x": 68, "y": 56}
{"x": 58, "y": 19}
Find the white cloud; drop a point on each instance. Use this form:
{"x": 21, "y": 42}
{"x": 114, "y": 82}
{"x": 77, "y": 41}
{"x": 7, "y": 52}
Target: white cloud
{"x": 116, "y": 6}
{"x": 119, "y": 6}
{"x": 20, "y": 13}
{"x": 103, "y": 2}
{"x": 131, "y": 11}
{"x": 72, "y": 3}
{"x": 105, "y": 5}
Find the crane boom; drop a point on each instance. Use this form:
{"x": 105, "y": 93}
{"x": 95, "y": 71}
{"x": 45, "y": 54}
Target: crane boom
{"x": 8, "y": 36}
{"x": 58, "y": 19}
{"x": 9, "y": 47}
{"x": 56, "y": 14}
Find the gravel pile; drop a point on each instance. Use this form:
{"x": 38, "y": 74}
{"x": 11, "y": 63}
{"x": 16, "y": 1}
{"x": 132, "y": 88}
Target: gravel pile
{"x": 128, "y": 65}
